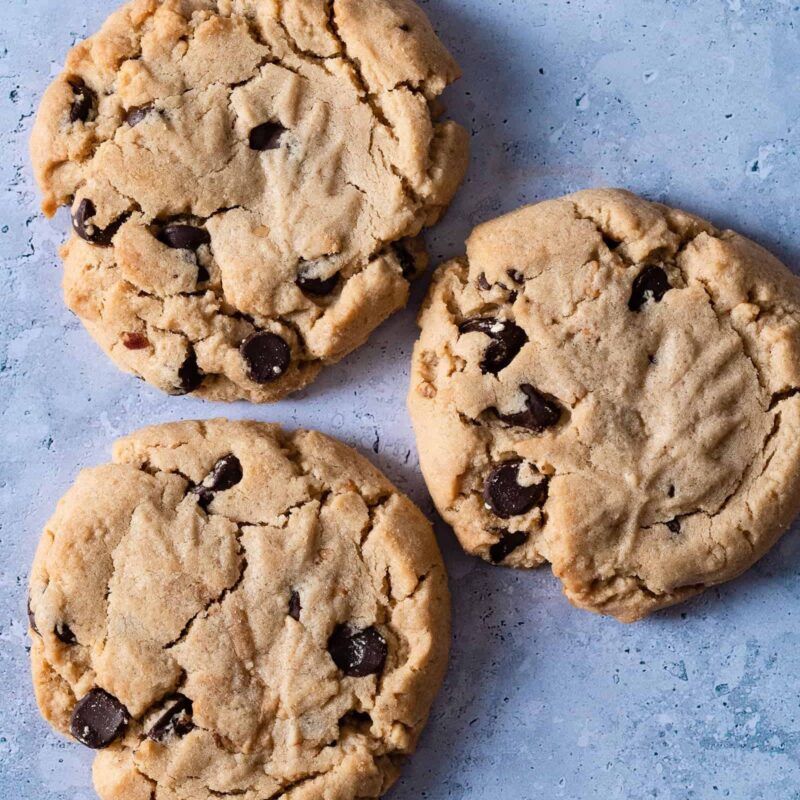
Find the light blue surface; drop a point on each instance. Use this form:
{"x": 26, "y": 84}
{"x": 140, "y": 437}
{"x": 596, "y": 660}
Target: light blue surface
{"x": 693, "y": 102}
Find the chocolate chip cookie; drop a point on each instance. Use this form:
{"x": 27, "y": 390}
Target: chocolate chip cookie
{"x": 611, "y": 385}
{"x": 230, "y": 609}
{"x": 248, "y": 181}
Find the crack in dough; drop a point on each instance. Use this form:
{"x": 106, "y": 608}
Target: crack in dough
{"x": 362, "y": 164}
{"x": 670, "y": 469}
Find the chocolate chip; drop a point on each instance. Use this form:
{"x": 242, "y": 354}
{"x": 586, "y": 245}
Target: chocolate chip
{"x": 84, "y": 101}
{"x": 294, "y": 605}
{"x": 674, "y": 525}
{"x": 357, "y": 653}
{"x": 64, "y": 634}
{"x": 190, "y": 376}
{"x": 408, "y": 265}
{"x": 135, "y": 341}
{"x": 227, "y": 472}
{"x": 483, "y": 283}
{"x": 541, "y": 411}
{"x": 671, "y": 491}
{"x": 317, "y": 286}
{"x": 175, "y": 721}
{"x": 507, "y": 340}
{"x": 202, "y": 274}
{"x": 267, "y": 356}
{"x": 32, "y": 618}
{"x": 506, "y": 497}
{"x": 651, "y": 283}
{"x": 266, "y": 136}
{"x": 137, "y": 114}
{"x": 98, "y": 719}
{"x": 91, "y": 233}
{"x": 515, "y": 275}
{"x": 509, "y": 542}
{"x": 183, "y": 237}
{"x": 611, "y": 244}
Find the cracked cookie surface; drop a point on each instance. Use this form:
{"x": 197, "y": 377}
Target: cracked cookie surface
{"x": 611, "y": 385}
{"x": 231, "y": 609}
{"x": 248, "y": 182}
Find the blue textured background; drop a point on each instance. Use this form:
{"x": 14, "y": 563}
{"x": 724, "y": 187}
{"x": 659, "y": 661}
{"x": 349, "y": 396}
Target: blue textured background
{"x": 693, "y": 102}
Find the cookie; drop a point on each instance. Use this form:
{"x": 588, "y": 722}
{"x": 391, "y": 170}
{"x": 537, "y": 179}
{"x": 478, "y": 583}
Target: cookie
{"x": 248, "y": 181}
{"x": 230, "y": 609}
{"x": 611, "y": 386}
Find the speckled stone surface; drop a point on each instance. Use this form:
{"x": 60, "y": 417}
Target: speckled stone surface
{"x": 693, "y": 102}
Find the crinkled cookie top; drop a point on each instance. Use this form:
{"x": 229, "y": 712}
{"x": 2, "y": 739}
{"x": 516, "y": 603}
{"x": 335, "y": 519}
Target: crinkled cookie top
{"x": 248, "y": 179}
{"x": 611, "y": 385}
{"x": 228, "y": 609}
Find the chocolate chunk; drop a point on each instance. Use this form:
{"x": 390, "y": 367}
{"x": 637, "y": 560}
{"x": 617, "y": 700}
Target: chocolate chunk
{"x": 509, "y": 542}
{"x": 91, "y": 233}
{"x": 84, "y": 101}
{"x": 318, "y": 286}
{"x": 357, "y": 653}
{"x": 190, "y": 376}
{"x": 137, "y": 114}
{"x": 541, "y": 411}
{"x": 135, "y": 341}
{"x": 651, "y": 283}
{"x": 184, "y": 237}
{"x": 294, "y": 605}
{"x": 267, "y": 356}
{"x": 507, "y": 340}
{"x": 64, "y": 634}
{"x": 408, "y": 265}
{"x": 98, "y": 719}
{"x": 506, "y": 497}
{"x": 32, "y": 618}
{"x": 266, "y": 136}
{"x": 674, "y": 525}
{"x": 175, "y": 721}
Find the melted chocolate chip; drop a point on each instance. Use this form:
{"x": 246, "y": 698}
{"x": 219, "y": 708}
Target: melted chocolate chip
{"x": 91, "y": 233}
{"x": 32, "y": 618}
{"x": 266, "y": 136}
{"x": 226, "y": 474}
{"x": 98, "y": 719}
{"x": 509, "y": 542}
{"x": 506, "y": 497}
{"x": 507, "y": 340}
{"x": 84, "y": 101}
{"x": 175, "y": 721}
{"x": 674, "y": 525}
{"x": 294, "y": 605}
{"x": 408, "y": 265}
{"x": 267, "y": 356}
{"x": 64, "y": 634}
{"x": 483, "y": 283}
{"x": 135, "y": 341}
{"x": 357, "y": 653}
{"x": 541, "y": 411}
{"x": 137, "y": 114}
{"x": 651, "y": 283}
{"x": 190, "y": 376}
{"x": 317, "y": 286}
{"x": 515, "y": 275}
{"x": 183, "y": 237}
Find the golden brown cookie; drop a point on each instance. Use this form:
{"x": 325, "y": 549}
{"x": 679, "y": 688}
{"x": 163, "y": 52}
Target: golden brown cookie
{"x": 611, "y": 385}
{"x": 248, "y": 180}
{"x": 230, "y": 609}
